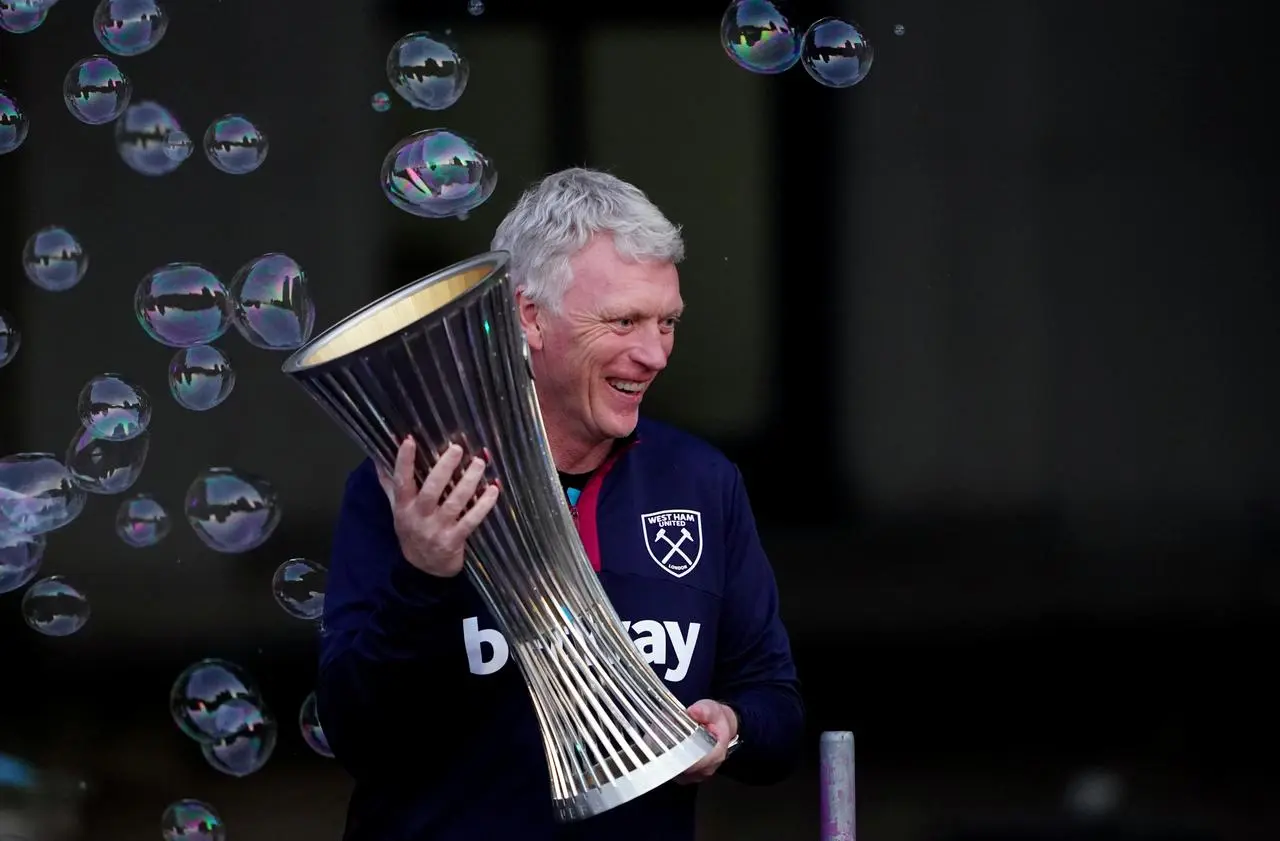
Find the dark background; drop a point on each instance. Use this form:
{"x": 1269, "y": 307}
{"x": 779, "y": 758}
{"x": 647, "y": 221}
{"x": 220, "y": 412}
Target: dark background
{"x": 992, "y": 335}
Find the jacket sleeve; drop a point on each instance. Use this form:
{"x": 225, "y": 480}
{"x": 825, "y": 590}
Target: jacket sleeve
{"x": 755, "y": 673}
{"x": 393, "y": 669}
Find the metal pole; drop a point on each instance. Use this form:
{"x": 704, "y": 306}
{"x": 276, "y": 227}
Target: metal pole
{"x": 835, "y": 774}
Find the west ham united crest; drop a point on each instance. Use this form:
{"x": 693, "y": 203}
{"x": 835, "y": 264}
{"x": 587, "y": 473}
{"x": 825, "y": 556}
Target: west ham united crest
{"x": 674, "y": 539}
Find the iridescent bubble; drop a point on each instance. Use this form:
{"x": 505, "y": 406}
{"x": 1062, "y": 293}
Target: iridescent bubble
{"x": 20, "y": 559}
{"x": 191, "y": 820}
{"x": 142, "y": 138}
{"x": 113, "y": 408}
{"x": 427, "y": 70}
{"x": 312, "y": 731}
{"x": 96, "y": 90}
{"x": 200, "y": 377}
{"x": 475, "y": 7}
{"x": 246, "y": 751}
{"x": 10, "y": 338}
{"x": 380, "y": 102}
{"x": 232, "y": 511}
{"x": 106, "y": 467}
{"x": 55, "y": 608}
{"x": 37, "y": 494}
{"x": 436, "y": 174}
{"x": 182, "y": 305}
{"x": 22, "y": 16}
{"x": 13, "y": 124}
{"x": 54, "y": 260}
{"x": 214, "y": 699}
{"x": 129, "y": 27}
{"x": 234, "y": 145}
{"x": 178, "y": 146}
{"x": 836, "y": 53}
{"x": 142, "y": 521}
{"x": 299, "y": 586}
{"x": 758, "y": 37}
{"x": 272, "y": 303}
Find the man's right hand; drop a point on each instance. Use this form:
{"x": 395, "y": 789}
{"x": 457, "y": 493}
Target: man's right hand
{"x": 433, "y": 528}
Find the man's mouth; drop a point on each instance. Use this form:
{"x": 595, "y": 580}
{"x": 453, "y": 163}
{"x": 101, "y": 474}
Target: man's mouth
{"x": 631, "y": 387}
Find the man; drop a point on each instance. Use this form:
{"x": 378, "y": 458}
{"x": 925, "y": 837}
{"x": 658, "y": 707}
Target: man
{"x": 417, "y": 694}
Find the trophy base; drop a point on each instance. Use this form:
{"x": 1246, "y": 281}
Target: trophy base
{"x": 603, "y": 797}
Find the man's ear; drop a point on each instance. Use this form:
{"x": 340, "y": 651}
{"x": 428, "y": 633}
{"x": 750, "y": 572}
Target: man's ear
{"x": 529, "y": 312}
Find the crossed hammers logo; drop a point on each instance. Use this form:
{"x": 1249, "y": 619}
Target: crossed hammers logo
{"x": 674, "y": 544}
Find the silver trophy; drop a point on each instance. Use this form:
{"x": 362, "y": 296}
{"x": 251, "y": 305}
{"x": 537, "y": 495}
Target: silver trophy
{"x": 444, "y": 359}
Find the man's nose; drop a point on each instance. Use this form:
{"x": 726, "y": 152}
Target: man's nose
{"x": 650, "y": 349}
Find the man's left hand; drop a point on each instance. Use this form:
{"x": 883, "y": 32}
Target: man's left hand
{"x": 721, "y": 722}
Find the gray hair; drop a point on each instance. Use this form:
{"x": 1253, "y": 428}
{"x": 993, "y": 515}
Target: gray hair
{"x": 557, "y": 217}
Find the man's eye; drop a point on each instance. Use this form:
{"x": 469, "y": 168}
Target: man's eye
{"x": 625, "y": 322}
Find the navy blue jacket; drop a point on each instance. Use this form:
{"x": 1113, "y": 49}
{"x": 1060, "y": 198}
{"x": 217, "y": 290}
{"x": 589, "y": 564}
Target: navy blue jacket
{"x": 421, "y": 703}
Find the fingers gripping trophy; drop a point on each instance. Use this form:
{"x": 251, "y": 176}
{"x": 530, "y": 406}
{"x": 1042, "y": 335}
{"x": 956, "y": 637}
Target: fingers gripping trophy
{"x": 433, "y": 382}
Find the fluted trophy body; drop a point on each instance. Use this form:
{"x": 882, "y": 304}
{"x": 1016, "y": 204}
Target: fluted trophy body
{"x": 444, "y": 360}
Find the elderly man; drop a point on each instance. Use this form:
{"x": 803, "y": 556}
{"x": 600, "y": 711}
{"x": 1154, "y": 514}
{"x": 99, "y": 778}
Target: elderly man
{"x": 416, "y": 692}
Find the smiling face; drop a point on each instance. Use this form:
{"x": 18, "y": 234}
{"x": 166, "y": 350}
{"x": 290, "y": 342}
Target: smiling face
{"x": 595, "y": 358}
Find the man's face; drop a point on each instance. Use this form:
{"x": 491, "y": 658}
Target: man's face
{"x": 596, "y": 357}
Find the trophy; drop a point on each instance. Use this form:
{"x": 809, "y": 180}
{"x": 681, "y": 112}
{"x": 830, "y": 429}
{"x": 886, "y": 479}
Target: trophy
{"x": 444, "y": 359}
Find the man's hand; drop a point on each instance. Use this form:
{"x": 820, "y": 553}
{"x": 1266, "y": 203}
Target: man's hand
{"x": 721, "y": 722}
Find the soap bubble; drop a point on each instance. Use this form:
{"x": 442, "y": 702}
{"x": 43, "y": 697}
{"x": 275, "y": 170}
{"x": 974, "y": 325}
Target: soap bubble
{"x": 20, "y": 559}
{"x": 247, "y": 750}
{"x": 96, "y": 90}
{"x": 22, "y": 16}
{"x": 10, "y": 338}
{"x": 272, "y": 303}
{"x": 142, "y": 138}
{"x": 177, "y": 147}
{"x": 200, "y": 377}
{"x": 55, "y": 608}
{"x": 758, "y": 37}
{"x": 234, "y": 145}
{"x": 231, "y": 511}
{"x": 54, "y": 260}
{"x": 299, "y": 586}
{"x": 427, "y": 71}
{"x": 106, "y": 467}
{"x": 899, "y": 29}
{"x": 380, "y": 102}
{"x": 37, "y": 494}
{"x": 214, "y": 699}
{"x": 475, "y": 7}
{"x": 836, "y": 53}
{"x": 13, "y": 124}
{"x": 312, "y": 731}
{"x": 142, "y": 521}
{"x": 129, "y": 27}
{"x": 191, "y": 820}
{"x": 182, "y": 305}
{"x": 436, "y": 174}
{"x": 114, "y": 409}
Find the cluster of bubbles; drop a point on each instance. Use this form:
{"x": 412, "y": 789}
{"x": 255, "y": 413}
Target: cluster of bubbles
{"x": 758, "y": 36}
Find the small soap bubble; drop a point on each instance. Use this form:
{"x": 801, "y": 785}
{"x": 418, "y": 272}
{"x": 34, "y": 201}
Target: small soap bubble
{"x": 234, "y": 145}
{"x": 758, "y": 37}
{"x": 836, "y": 53}
{"x": 19, "y": 17}
{"x": 299, "y": 586}
{"x": 142, "y": 521}
{"x": 142, "y": 138}
{"x": 10, "y": 338}
{"x": 312, "y": 730}
{"x": 177, "y": 147}
{"x": 37, "y": 494}
{"x": 191, "y": 820}
{"x": 437, "y": 174}
{"x": 54, "y": 260}
{"x": 20, "y": 559}
{"x": 272, "y": 303}
{"x": 13, "y": 124}
{"x": 214, "y": 699}
{"x": 475, "y": 7}
{"x": 183, "y": 305}
{"x": 129, "y": 27}
{"x": 54, "y": 608}
{"x": 200, "y": 377}
{"x": 380, "y": 102}
{"x": 113, "y": 408}
{"x": 899, "y": 29}
{"x": 106, "y": 467}
{"x": 96, "y": 90}
{"x": 246, "y": 751}
{"x": 427, "y": 70}
{"x": 232, "y": 511}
